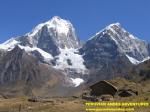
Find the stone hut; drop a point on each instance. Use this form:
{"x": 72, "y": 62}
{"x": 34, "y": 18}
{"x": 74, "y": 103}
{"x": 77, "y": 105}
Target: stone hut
{"x": 102, "y": 88}
{"x": 116, "y": 87}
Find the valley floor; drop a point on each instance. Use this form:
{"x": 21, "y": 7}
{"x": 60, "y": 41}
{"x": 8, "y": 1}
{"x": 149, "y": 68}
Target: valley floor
{"x": 53, "y": 105}
{"x": 71, "y": 104}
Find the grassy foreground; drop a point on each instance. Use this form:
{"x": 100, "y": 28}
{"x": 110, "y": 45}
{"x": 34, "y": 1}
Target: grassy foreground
{"x": 62, "y": 104}
{"x": 55, "y": 105}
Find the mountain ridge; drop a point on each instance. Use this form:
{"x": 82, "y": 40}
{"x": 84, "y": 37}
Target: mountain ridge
{"x": 111, "y": 52}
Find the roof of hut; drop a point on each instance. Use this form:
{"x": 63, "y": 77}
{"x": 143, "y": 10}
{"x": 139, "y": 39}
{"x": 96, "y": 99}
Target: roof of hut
{"x": 107, "y": 82}
{"x": 121, "y": 84}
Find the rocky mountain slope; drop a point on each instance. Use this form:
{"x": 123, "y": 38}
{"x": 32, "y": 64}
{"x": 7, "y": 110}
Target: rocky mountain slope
{"x": 23, "y": 74}
{"x": 54, "y": 43}
{"x": 113, "y": 51}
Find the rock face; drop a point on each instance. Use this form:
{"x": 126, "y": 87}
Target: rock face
{"x": 52, "y": 36}
{"x": 113, "y": 51}
{"x": 17, "y": 65}
{"x": 26, "y": 75}
{"x": 55, "y": 43}
{"x": 135, "y": 49}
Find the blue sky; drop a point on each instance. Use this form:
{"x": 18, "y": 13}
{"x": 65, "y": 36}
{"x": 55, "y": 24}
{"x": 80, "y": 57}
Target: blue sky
{"x": 18, "y": 17}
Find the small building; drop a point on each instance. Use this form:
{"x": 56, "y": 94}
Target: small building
{"x": 102, "y": 88}
{"x": 116, "y": 87}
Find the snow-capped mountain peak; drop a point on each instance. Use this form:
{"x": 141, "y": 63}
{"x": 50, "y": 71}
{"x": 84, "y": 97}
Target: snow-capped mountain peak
{"x": 117, "y": 28}
{"x": 58, "y": 31}
{"x": 55, "y": 43}
{"x": 106, "y": 29}
{"x": 135, "y": 50}
{"x": 56, "y": 18}
{"x": 59, "y": 25}
{"x": 114, "y": 24}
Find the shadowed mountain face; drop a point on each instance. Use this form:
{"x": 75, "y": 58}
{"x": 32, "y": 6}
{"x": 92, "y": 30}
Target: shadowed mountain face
{"x": 23, "y": 74}
{"x": 52, "y": 36}
{"x": 54, "y": 42}
{"x": 18, "y": 65}
{"x": 103, "y": 58}
{"x": 112, "y": 52}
